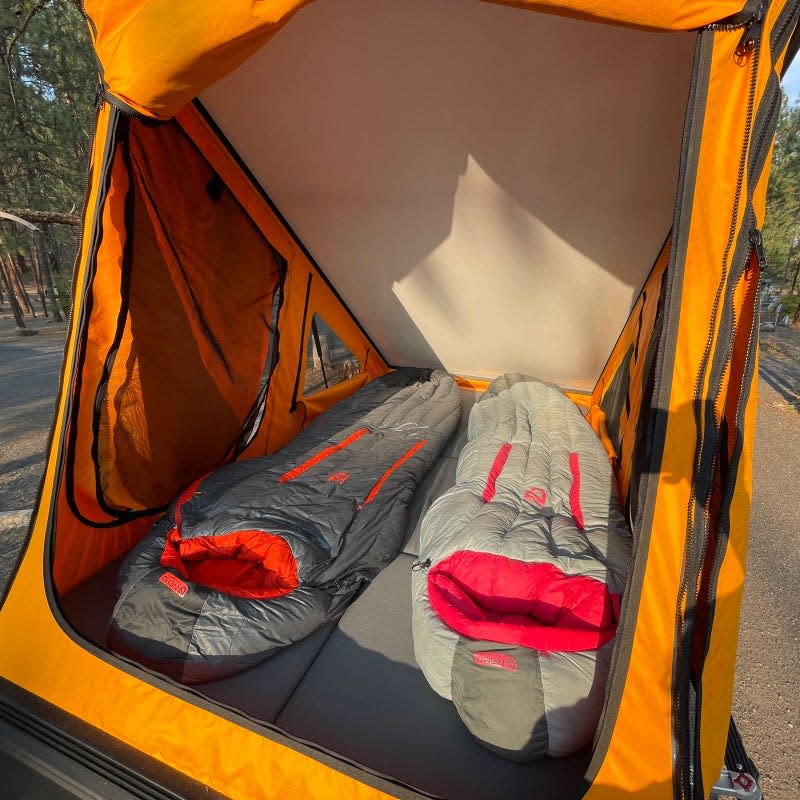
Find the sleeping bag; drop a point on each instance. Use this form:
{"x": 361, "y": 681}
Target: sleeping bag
{"x": 260, "y": 553}
{"x": 522, "y": 564}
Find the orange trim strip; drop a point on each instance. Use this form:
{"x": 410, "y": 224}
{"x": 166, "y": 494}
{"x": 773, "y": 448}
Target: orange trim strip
{"x": 322, "y": 455}
{"x": 581, "y": 399}
{"x": 478, "y": 384}
{"x": 377, "y": 487}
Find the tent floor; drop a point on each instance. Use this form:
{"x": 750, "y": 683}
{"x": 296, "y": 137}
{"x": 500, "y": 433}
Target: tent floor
{"x": 354, "y": 687}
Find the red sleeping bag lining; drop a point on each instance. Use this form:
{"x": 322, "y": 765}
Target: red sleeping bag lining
{"x": 251, "y": 564}
{"x": 498, "y": 599}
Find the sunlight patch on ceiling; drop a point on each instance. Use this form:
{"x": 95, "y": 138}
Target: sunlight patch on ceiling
{"x": 544, "y": 307}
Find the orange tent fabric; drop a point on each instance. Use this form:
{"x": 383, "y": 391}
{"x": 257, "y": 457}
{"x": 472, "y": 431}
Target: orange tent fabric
{"x": 187, "y": 46}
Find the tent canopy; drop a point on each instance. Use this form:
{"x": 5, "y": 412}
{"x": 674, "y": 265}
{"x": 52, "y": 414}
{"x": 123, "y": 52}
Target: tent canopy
{"x": 191, "y": 44}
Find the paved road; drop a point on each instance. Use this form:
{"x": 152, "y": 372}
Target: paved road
{"x": 767, "y": 702}
{"x": 29, "y": 370}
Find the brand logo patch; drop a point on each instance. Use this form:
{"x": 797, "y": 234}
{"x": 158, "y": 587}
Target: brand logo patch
{"x": 174, "y": 584}
{"x": 339, "y": 477}
{"x": 744, "y": 780}
{"x": 490, "y": 658}
{"x": 536, "y": 495}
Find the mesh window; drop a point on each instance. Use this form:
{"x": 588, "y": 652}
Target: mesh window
{"x": 328, "y": 359}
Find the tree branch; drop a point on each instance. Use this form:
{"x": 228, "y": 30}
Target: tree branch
{"x": 45, "y": 217}
{"x": 37, "y": 6}
{"x": 19, "y": 31}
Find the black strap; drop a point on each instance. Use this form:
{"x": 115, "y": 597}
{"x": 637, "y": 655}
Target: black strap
{"x": 736, "y": 757}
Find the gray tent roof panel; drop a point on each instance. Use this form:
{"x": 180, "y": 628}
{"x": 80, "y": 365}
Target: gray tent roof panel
{"x": 486, "y": 214}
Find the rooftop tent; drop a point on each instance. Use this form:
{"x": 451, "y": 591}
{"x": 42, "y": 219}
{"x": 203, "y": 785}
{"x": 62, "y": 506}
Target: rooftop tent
{"x": 455, "y": 184}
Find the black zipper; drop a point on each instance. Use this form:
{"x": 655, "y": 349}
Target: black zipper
{"x": 743, "y": 19}
{"x": 720, "y": 542}
{"x": 684, "y": 706}
{"x": 782, "y": 27}
{"x": 300, "y": 358}
{"x": 256, "y": 415}
{"x": 752, "y": 33}
{"x": 105, "y": 165}
{"x": 757, "y": 151}
{"x": 318, "y": 348}
{"x": 87, "y": 181}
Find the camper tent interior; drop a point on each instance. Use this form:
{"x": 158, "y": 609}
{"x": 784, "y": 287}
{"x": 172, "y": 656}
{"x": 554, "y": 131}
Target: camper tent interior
{"x": 459, "y": 185}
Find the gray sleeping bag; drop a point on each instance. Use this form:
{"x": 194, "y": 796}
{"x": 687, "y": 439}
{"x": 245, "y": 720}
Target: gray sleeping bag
{"x": 261, "y": 553}
{"x": 522, "y": 564}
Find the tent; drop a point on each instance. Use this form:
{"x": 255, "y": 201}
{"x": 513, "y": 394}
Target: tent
{"x": 567, "y": 188}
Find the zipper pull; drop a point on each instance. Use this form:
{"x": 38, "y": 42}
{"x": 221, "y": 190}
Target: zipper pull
{"x": 751, "y": 34}
{"x": 757, "y": 243}
{"x": 420, "y": 565}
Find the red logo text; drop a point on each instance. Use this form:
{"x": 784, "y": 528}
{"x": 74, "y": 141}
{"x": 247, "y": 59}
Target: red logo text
{"x": 339, "y": 477}
{"x": 490, "y": 658}
{"x": 536, "y": 495}
{"x": 174, "y": 584}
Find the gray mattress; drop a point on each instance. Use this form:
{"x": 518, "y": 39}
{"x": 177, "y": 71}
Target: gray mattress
{"x": 354, "y": 687}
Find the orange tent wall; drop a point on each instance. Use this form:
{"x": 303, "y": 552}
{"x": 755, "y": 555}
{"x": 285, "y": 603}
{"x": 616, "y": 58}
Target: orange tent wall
{"x": 111, "y": 437}
{"x": 634, "y": 751}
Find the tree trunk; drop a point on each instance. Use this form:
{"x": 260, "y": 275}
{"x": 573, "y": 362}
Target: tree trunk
{"x": 12, "y": 300}
{"x": 40, "y": 259}
{"x": 16, "y": 276}
{"x": 794, "y": 277}
{"x": 37, "y": 274}
{"x": 785, "y": 276}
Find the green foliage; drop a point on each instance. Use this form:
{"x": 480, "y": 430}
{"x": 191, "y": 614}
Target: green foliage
{"x": 48, "y": 86}
{"x": 791, "y": 303}
{"x": 782, "y": 223}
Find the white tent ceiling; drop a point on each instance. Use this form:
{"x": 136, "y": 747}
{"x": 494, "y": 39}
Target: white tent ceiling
{"x": 486, "y": 187}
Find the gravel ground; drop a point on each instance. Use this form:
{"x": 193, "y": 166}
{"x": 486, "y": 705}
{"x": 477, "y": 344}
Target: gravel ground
{"x": 767, "y": 699}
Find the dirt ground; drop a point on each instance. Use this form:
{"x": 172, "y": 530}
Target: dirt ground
{"x": 767, "y": 690}
{"x": 780, "y": 364}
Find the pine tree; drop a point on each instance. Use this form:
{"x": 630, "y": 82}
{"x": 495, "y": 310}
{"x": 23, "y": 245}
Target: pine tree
{"x": 48, "y": 86}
